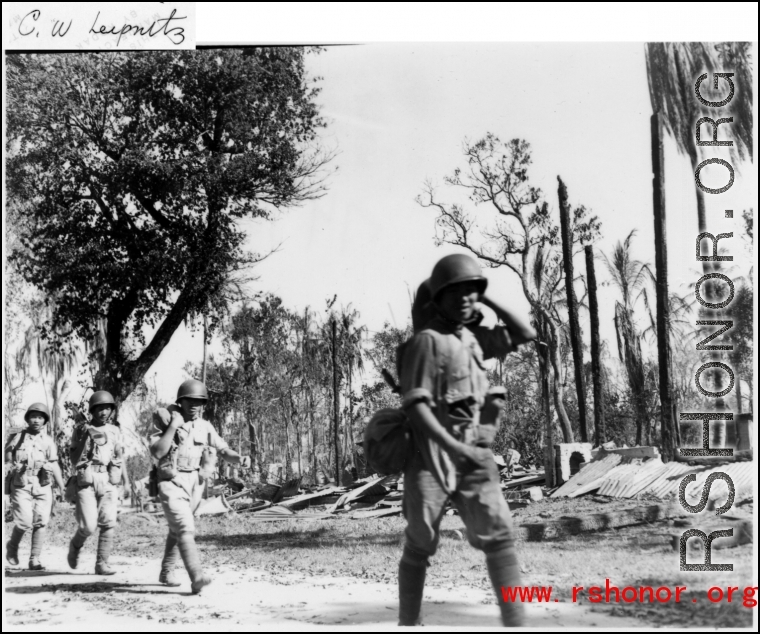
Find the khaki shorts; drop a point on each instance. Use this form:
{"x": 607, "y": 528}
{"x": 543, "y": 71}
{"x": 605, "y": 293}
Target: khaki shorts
{"x": 96, "y": 505}
{"x": 31, "y": 504}
{"x": 180, "y": 499}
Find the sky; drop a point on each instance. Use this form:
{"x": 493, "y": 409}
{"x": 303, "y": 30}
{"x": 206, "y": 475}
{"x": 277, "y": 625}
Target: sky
{"x": 397, "y": 115}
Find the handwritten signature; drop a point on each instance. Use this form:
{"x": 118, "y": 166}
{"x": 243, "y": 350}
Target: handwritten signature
{"x": 176, "y": 34}
{"x": 30, "y": 26}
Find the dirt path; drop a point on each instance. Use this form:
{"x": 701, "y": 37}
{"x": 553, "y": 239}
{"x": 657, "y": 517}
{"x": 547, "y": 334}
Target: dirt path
{"x": 244, "y": 599}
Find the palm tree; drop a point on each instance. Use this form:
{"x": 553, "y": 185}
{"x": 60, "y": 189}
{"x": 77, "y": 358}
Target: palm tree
{"x": 53, "y": 364}
{"x": 629, "y": 276}
{"x": 672, "y": 70}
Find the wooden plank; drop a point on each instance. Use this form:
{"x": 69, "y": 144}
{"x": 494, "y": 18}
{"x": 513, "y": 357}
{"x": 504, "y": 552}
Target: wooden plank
{"x": 307, "y": 498}
{"x": 365, "y": 515}
{"x": 536, "y": 532}
{"x": 532, "y": 479}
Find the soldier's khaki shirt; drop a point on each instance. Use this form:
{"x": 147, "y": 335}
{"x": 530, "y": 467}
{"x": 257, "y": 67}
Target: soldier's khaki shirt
{"x": 109, "y": 453}
{"x": 40, "y": 450}
{"x": 444, "y": 366}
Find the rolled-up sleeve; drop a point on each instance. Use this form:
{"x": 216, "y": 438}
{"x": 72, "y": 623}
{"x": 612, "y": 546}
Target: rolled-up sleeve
{"x": 495, "y": 342}
{"x": 419, "y": 371}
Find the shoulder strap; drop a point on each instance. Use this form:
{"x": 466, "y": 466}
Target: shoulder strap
{"x": 85, "y": 446}
{"x": 21, "y": 439}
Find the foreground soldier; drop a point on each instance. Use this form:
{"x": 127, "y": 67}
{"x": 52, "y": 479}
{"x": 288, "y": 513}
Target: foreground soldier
{"x": 34, "y": 457}
{"x": 445, "y": 387}
{"x": 96, "y": 454}
{"x": 185, "y": 447}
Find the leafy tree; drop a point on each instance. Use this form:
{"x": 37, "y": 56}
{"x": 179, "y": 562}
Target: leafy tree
{"x": 134, "y": 171}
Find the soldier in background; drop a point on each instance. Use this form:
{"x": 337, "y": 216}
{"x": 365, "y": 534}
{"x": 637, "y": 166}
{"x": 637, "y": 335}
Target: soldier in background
{"x": 96, "y": 458}
{"x": 33, "y": 457}
{"x": 185, "y": 447}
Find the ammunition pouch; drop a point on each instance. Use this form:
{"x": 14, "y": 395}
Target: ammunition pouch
{"x": 43, "y": 477}
{"x": 153, "y": 482}
{"x": 20, "y": 479}
{"x": 489, "y": 416}
{"x": 84, "y": 476}
{"x": 70, "y": 494}
{"x": 208, "y": 463}
{"x": 114, "y": 474}
{"x": 8, "y": 483}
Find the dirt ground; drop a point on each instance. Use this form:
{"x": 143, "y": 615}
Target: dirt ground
{"x": 318, "y": 574}
{"x": 244, "y": 599}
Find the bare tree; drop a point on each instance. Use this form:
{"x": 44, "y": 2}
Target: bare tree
{"x": 516, "y": 230}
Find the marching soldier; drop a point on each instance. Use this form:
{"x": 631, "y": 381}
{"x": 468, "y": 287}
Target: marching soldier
{"x": 186, "y": 447}
{"x": 96, "y": 457}
{"x": 446, "y": 397}
{"x": 33, "y": 457}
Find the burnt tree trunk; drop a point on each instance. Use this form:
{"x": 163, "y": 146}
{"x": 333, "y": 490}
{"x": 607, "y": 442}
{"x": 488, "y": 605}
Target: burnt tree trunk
{"x": 572, "y": 308}
{"x": 596, "y": 348}
{"x": 663, "y": 318}
{"x": 336, "y": 401}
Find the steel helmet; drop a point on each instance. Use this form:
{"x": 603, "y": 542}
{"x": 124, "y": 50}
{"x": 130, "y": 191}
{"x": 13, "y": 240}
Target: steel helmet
{"x": 192, "y": 389}
{"x": 40, "y": 408}
{"x": 423, "y": 309}
{"x": 101, "y": 398}
{"x": 454, "y": 269}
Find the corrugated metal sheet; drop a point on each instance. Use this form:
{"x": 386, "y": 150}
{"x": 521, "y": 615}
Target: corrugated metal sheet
{"x": 653, "y": 471}
{"x": 666, "y": 484}
{"x": 742, "y": 474}
{"x": 593, "y": 471}
{"x": 625, "y": 478}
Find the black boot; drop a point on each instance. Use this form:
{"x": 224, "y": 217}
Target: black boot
{"x": 11, "y": 548}
{"x": 505, "y": 572}
{"x": 411, "y": 585}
